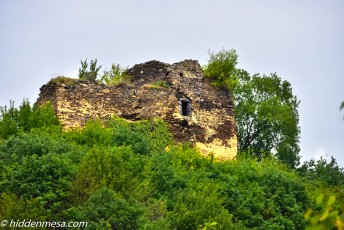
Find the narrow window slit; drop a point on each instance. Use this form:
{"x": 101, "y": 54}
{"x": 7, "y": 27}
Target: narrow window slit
{"x": 185, "y": 107}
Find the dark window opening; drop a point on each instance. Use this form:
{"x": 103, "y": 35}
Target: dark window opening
{"x": 185, "y": 107}
{"x": 180, "y": 74}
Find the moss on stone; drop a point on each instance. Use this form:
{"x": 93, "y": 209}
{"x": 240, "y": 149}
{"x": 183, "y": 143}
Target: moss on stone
{"x": 62, "y": 79}
{"x": 157, "y": 85}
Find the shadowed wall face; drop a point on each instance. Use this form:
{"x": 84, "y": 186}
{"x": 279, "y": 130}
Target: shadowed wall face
{"x": 195, "y": 111}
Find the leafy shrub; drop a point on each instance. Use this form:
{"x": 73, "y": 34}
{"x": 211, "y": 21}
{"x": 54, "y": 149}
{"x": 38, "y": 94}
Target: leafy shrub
{"x": 115, "y": 76}
{"x": 104, "y": 167}
{"x": 261, "y": 195}
{"x": 90, "y": 74}
{"x": 107, "y": 210}
{"x": 46, "y": 178}
{"x": 93, "y": 133}
{"x": 127, "y": 136}
{"x": 199, "y": 204}
{"x": 221, "y": 66}
{"x": 155, "y": 132}
{"x": 15, "y": 148}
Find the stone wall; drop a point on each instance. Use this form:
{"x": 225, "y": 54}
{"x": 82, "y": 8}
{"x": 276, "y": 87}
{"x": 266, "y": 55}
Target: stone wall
{"x": 195, "y": 111}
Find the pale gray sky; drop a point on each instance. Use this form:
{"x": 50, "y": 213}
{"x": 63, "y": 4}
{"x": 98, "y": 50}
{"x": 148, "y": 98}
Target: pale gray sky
{"x": 302, "y": 41}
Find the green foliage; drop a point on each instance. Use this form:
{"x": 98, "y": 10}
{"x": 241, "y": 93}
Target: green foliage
{"x": 155, "y": 216}
{"x": 327, "y": 216}
{"x": 34, "y": 169}
{"x": 107, "y": 210}
{"x": 128, "y": 136}
{"x": 115, "y": 76}
{"x": 19, "y": 208}
{"x": 8, "y": 121}
{"x": 263, "y": 195}
{"x": 14, "y": 120}
{"x": 15, "y": 148}
{"x": 198, "y": 205}
{"x": 49, "y": 184}
{"x": 157, "y": 85}
{"x": 221, "y": 66}
{"x": 328, "y": 173}
{"x": 92, "y": 134}
{"x": 342, "y": 105}
{"x": 267, "y": 117}
{"x": 90, "y": 74}
{"x": 143, "y": 137}
{"x": 103, "y": 167}
{"x": 265, "y": 108}
{"x": 130, "y": 175}
{"x": 325, "y": 185}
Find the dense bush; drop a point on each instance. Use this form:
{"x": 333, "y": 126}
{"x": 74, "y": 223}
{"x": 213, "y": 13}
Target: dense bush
{"x": 27, "y": 117}
{"x": 107, "y": 210}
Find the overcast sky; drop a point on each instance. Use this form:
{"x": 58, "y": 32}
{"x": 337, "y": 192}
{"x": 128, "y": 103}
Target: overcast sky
{"x": 301, "y": 40}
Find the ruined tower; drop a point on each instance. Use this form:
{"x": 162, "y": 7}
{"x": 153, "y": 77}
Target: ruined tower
{"x": 180, "y": 94}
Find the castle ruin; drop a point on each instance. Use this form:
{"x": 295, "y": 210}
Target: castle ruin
{"x": 196, "y": 111}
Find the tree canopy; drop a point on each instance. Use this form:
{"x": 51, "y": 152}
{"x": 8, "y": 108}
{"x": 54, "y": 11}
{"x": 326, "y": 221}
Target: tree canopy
{"x": 265, "y": 108}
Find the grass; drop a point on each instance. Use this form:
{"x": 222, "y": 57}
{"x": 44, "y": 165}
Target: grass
{"x": 157, "y": 85}
{"x": 62, "y": 79}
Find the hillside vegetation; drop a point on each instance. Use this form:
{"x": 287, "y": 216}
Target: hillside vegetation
{"x": 132, "y": 175}
{"x": 122, "y": 175}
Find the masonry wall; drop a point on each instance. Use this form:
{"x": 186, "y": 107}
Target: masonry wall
{"x": 209, "y": 124}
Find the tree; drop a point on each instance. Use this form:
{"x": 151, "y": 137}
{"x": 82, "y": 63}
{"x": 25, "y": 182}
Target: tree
{"x": 90, "y": 74}
{"x": 14, "y": 120}
{"x": 342, "y": 105}
{"x": 265, "y": 108}
{"x": 328, "y": 172}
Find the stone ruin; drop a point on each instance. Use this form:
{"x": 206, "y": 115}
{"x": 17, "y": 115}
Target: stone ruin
{"x": 196, "y": 111}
